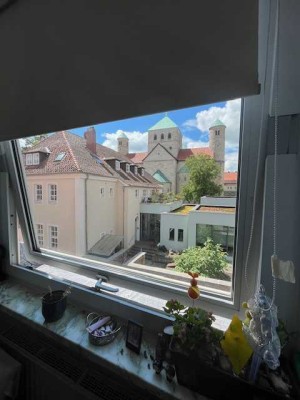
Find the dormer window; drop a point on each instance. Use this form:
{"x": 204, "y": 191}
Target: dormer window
{"x": 32, "y": 159}
{"x": 135, "y": 170}
{"x": 127, "y": 168}
{"x": 117, "y": 165}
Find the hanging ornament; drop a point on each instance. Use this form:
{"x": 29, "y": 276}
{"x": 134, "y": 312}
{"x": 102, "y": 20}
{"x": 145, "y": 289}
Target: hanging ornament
{"x": 193, "y": 290}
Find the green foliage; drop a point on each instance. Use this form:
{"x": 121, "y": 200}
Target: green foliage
{"x": 208, "y": 261}
{"x": 34, "y": 140}
{"x": 192, "y": 326}
{"x": 164, "y": 197}
{"x": 204, "y": 171}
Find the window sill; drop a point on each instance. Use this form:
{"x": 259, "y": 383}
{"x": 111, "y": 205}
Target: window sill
{"x": 25, "y": 301}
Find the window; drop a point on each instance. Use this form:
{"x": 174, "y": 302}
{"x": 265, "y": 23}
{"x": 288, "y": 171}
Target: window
{"x": 142, "y": 172}
{"x": 162, "y": 136}
{"x": 117, "y": 165}
{"x": 40, "y": 234}
{"x": 169, "y": 135}
{"x": 120, "y": 141}
{"x": 155, "y": 137}
{"x": 53, "y": 237}
{"x": 171, "y": 233}
{"x": 52, "y": 193}
{"x": 38, "y": 193}
{"x": 217, "y": 133}
{"x": 60, "y": 156}
{"x": 32, "y": 159}
{"x": 82, "y": 220}
{"x": 180, "y": 235}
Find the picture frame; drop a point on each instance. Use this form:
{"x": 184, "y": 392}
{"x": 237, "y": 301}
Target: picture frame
{"x": 134, "y": 336}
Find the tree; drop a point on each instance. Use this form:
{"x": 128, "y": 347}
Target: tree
{"x": 209, "y": 260}
{"x": 203, "y": 174}
{"x": 33, "y": 140}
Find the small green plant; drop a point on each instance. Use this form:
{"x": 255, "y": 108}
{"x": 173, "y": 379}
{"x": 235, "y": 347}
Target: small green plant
{"x": 192, "y": 326}
{"x": 209, "y": 261}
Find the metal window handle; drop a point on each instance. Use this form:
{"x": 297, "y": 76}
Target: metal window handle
{"x": 100, "y": 286}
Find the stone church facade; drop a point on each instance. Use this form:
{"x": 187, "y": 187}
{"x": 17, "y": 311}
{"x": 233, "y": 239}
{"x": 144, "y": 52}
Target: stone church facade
{"x": 165, "y": 158}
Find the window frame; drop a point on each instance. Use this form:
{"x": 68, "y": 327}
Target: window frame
{"x": 39, "y": 234}
{"x": 172, "y": 230}
{"x": 182, "y": 237}
{"x": 50, "y": 236}
{"x": 213, "y": 301}
{"x": 36, "y": 200}
{"x": 50, "y": 200}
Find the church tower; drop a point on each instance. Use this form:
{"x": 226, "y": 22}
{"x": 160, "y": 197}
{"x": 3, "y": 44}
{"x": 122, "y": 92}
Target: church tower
{"x": 166, "y": 133}
{"x": 217, "y": 144}
{"x": 123, "y": 144}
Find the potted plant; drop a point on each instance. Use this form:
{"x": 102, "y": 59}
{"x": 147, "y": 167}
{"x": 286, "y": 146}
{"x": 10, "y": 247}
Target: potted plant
{"x": 54, "y": 304}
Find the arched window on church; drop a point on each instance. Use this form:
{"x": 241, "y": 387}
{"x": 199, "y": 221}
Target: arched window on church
{"x": 155, "y": 137}
{"x": 218, "y": 133}
{"x": 169, "y": 135}
{"x": 162, "y": 136}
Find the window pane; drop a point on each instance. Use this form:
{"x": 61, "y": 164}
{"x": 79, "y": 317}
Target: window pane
{"x": 84, "y": 204}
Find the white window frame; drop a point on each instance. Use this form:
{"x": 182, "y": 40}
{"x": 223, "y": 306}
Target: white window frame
{"x": 127, "y": 168}
{"x": 118, "y": 165}
{"x": 40, "y": 234}
{"x": 52, "y": 197}
{"x": 35, "y": 159}
{"x": 51, "y": 237}
{"x": 37, "y": 194}
{"x": 135, "y": 170}
{"x": 215, "y": 303}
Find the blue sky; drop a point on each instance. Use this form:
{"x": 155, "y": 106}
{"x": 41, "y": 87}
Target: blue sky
{"x": 193, "y": 123}
{"x": 142, "y": 124}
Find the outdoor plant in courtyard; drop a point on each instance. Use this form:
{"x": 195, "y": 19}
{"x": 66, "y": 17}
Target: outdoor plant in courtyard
{"x": 209, "y": 261}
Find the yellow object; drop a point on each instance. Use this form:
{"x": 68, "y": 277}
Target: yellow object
{"x": 235, "y": 345}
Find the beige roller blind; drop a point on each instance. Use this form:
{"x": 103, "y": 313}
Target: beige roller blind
{"x": 69, "y": 63}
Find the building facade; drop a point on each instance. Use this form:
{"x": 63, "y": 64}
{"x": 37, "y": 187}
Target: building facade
{"x": 85, "y": 198}
{"x": 165, "y": 158}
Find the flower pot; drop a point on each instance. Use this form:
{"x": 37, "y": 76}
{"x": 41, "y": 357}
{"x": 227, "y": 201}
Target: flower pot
{"x": 54, "y": 305}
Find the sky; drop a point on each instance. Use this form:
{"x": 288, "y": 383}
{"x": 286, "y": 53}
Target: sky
{"x": 193, "y": 123}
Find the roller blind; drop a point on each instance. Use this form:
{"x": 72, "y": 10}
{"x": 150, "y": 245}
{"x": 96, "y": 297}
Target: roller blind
{"x": 70, "y": 63}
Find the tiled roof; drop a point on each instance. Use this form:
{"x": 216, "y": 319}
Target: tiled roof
{"x": 164, "y": 123}
{"x": 137, "y": 158}
{"x": 230, "y": 177}
{"x": 79, "y": 159}
{"x": 183, "y": 154}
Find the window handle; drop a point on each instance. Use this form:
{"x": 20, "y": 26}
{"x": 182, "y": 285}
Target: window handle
{"x": 100, "y": 286}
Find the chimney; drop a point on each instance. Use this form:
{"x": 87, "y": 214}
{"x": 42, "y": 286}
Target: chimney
{"x": 90, "y": 137}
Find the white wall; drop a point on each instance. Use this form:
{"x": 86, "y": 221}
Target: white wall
{"x": 176, "y": 221}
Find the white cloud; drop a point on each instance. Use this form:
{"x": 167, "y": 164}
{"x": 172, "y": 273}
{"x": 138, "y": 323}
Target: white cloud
{"x": 231, "y": 160}
{"x": 229, "y": 115}
{"x": 188, "y": 143}
{"x": 138, "y": 141}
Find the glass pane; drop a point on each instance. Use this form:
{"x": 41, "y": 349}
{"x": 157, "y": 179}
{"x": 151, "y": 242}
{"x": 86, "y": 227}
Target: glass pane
{"x": 94, "y": 196}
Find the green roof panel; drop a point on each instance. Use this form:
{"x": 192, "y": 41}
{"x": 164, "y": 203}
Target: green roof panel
{"x": 217, "y": 122}
{"x": 183, "y": 170}
{"x": 164, "y": 123}
{"x": 160, "y": 177}
{"x": 122, "y": 136}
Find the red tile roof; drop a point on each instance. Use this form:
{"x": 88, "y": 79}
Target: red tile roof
{"x": 183, "y": 154}
{"x": 137, "y": 158}
{"x": 78, "y": 159}
{"x": 230, "y": 177}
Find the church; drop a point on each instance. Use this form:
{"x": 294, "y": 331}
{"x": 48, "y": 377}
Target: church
{"x": 165, "y": 158}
